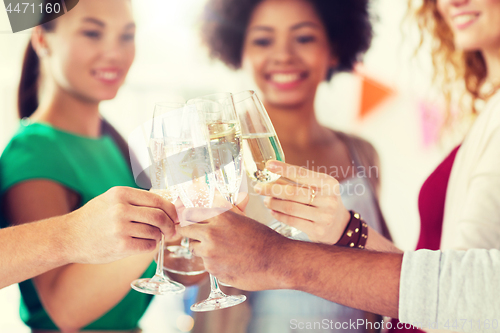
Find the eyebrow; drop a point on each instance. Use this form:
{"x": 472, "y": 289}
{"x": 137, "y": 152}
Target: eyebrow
{"x": 102, "y": 24}
{"x": 305, "y": 24}
{"x": 294, "y": 27}
{"x": 95, "y": 21}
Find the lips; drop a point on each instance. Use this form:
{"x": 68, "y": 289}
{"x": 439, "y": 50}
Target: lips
{"x": 464, "y": 20}
{"x": 286, "y": 80}
{"x": 108, "y": 76}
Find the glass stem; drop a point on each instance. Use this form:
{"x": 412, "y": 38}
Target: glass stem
{"x": 185, "y": 242}
{"x": 214, "y": 288}
{"x": 232, "y": 198}
{"x": 185, "y": 248}
{"x": 159, "y": 266}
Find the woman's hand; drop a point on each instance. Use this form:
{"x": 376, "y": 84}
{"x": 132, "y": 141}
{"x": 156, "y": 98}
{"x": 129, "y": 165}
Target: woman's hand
{"x": 119, "y": 223}
{"x": 315, "y": 208}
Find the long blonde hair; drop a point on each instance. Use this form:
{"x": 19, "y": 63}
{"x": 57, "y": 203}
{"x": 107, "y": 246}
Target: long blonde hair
{"x": 451, "y": 66}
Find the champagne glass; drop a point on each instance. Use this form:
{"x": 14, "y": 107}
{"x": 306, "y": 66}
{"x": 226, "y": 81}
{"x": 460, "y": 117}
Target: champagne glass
{"x": 178, "y": 135}
{"x": 159, "y": 284}
{"x": 226, "y": 157}
{"x": 225, "y": 141}
{"x": 260, "y": 144}
{"x": 189, "y": 167}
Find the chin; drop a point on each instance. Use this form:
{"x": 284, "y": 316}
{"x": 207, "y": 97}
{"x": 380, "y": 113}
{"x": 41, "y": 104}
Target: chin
{"x": 285, "y": 103}
{"x": 468, "y": 44}
{"x": 286, "y": 99}
{"x": 106, "y": 95}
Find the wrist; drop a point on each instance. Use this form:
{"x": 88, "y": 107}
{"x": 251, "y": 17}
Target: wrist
{"x": 291, "y": 264}
{"x": 66, "y": 240}
{"x": 355, "y": 234}
{"x": 346, "y": 219}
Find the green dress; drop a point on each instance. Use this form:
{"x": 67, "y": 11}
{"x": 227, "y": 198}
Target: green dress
{"x": 87, "y": 166}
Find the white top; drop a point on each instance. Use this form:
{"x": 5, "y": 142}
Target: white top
{"x": 452, "y": 290}
{"x": 472, "y": 207}
{"x": 459, "y": 286}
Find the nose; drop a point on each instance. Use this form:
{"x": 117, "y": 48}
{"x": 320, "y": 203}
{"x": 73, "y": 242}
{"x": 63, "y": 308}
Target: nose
{"x": 283, "y": 52}
{"x": 112, "y": 49}
{"x": 456, "y": 3}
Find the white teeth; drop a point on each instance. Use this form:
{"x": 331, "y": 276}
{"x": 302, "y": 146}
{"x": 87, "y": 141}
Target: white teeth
{"x": 285, "y": 78}
{"x": 463, "y": 19}
{"x": 106, "y": 75}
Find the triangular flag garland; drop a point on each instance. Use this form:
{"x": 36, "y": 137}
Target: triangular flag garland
{"x": 373, "y": 93}
{"x": 431, "y": 122}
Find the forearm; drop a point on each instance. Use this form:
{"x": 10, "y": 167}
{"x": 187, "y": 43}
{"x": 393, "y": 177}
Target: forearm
{"x": 377, "y": 242}
{"x": 78, "y": 294}
{"x": 32, "y": 249}
{"x": 356, "y": 278}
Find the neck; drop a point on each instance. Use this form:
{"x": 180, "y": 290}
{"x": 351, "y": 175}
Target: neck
{"x": 296, "y": 126}
{"x": 69, "y": 112}
{"x": 492, "y": 59}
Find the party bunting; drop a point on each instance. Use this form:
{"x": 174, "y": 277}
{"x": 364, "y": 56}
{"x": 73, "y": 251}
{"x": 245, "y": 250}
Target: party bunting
{"x": 373, "y": 93}
{"x": 431, "y": 119}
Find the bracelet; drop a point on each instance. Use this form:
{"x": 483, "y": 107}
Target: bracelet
{"x": 356, "y": 232}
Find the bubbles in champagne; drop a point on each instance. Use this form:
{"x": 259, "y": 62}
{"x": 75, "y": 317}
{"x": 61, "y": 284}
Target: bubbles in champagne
{"x": 225, "y": 145}
{"x": 257, "y": 150}
{"x": 171, "y": 194}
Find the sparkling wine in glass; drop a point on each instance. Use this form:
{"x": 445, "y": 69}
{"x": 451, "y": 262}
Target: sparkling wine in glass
{"x": 183, "y": 169}
{"x": 260, "y": 144}
{"x": 159, "y": 284}
{"x": 224, "y": 135}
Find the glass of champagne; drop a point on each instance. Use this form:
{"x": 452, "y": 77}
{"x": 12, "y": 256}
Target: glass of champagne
{"x": 159, "y": 284}
{"x": 179, "y": 135}
{"x": 260, "y": 144}
{"x": 226, "y": 157}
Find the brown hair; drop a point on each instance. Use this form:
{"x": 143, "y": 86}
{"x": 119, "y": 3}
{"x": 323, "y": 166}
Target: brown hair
{"x": 451, "y": 66}
{"x": 27, "y": 96}
{"x": 347, "y": 22}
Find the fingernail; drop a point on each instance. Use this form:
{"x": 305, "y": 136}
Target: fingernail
{"x": 272, "y": 165}
{"x": 258, "y": 187}
{"x": 267, "y": 200}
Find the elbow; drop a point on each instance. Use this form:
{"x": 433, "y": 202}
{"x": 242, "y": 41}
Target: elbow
{"x": 66, "y": 325}
{"x": 68, "y": 329}
{"x": 65, "y": 320}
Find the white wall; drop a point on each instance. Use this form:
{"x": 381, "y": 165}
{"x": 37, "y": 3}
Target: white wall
{"x": 170, "y": 61}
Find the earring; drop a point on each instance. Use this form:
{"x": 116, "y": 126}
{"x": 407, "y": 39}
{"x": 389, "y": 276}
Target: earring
{"x": 43, "y": 52}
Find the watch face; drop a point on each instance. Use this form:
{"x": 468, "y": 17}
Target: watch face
{"x": 27, "y": 14}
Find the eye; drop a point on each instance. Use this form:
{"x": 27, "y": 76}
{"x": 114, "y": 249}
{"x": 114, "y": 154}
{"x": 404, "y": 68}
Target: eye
{"x": 128, "y": 37}
{"x": 305, "y": 39}
{"x": 262, "y": 42}
{"x": 94, "y": 34}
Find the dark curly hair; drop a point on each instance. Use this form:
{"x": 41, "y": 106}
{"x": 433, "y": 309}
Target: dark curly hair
{"x": 347, "y": 22}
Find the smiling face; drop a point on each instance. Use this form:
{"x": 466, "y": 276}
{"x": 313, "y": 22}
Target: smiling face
{"x": 91, "y": 49}
{"x": 287, "y": 51}
{"x": 474, "y": 23}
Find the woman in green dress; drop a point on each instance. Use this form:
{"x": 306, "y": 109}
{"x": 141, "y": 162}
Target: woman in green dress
{"x": 65, "y": 154}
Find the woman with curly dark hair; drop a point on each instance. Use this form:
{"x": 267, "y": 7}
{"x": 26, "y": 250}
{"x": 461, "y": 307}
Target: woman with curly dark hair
{"x": 459, "y": 203}
{"x": 290, "y": 47}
